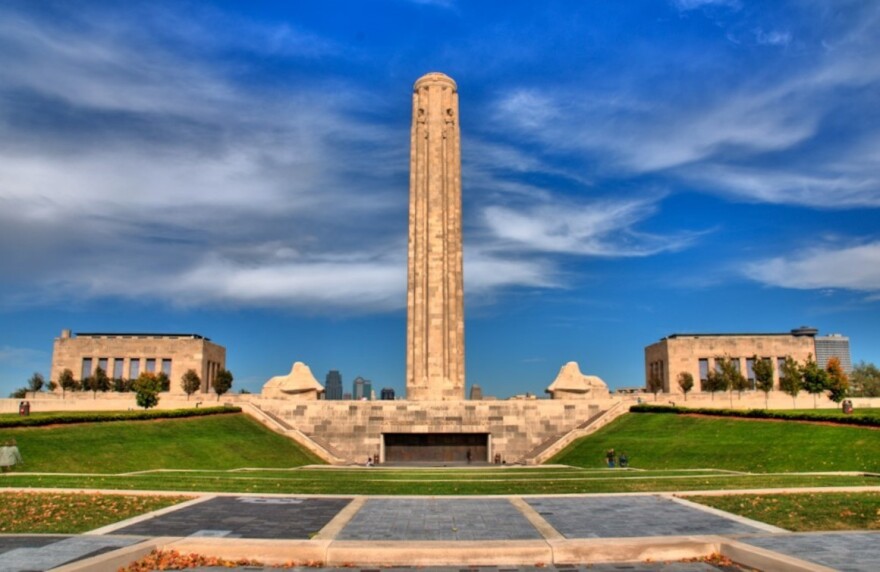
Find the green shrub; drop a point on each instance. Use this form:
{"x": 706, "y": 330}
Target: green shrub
{"x": 66, "y": 418}
{"x": 871, "y": 420}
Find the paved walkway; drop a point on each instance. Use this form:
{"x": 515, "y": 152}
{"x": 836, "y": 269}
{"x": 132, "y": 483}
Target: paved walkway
{"x": 516, "y": 531}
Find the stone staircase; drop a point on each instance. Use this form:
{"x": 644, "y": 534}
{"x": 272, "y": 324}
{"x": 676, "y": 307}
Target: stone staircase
{"x": 559, "y": 441}
{"x": 277, "y": 424}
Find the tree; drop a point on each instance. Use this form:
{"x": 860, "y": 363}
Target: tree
{"x": 164, "y": 382}
{"x": 763, "y": 370}
{"x": 865, "y": 380}
{"x": 67, "y": 382}
{"x": 36, "y": 382}
{"x": 98, "y": 382}
{"x": 222, "y": 382}
{"x": 815, "y": 379}
{"x": 190, "y": 382}
{"x": 715, "y": 382}
{"x": 655, "y": 384}
{"x": 52, "y": 386}
{"x": 121, "y": 385}
{"x": 19, "y": 393}
{"x": 147, "y": 387}
{"x": 838, "y": 382}
{"x": 733, "y": 379}
{"x": 686, "y": 383}
{"x": 790, "y": 379}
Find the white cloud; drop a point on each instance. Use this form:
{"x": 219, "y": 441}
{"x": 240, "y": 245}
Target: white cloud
{"x": 604, "y": 228}
{"x": 852, "y": 268}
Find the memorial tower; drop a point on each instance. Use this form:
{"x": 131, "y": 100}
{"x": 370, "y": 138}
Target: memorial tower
{"x": 435, "y": 288}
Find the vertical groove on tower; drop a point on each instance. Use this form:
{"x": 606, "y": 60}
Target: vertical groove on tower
{"x": 435, "y": 297}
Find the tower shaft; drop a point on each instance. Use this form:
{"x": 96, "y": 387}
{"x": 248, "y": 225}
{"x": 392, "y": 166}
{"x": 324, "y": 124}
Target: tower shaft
{"x": 435, "y": 289}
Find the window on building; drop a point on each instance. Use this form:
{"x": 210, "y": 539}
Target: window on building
{"x": 718, "y": 364}
{"x": 166, "y": 366}
{"x": 750, "y": 372}
{"x": 118, "y": 364}
{"x": 86, "y": 367}
{"x": 134, "y": 368}
{"x": 704, "y": 373}
{"x": 102, "y": 363}
{"x": 780, "y": 363}
{"x": 735, "y": 362}
{"x": 151, "y": 365}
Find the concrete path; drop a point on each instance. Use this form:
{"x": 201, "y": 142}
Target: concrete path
{"x": 499, "y": 532}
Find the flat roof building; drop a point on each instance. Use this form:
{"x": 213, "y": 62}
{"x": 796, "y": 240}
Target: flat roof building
{"x": 126, "y": 355}
{"x": 697, "y": 354}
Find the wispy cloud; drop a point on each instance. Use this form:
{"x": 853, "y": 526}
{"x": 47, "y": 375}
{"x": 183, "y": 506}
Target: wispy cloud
{"x": 602, "y": 228}
{"x": 688, "y": 5}
{"x": 850, "y": 267}
{"x": 13, "y": 356}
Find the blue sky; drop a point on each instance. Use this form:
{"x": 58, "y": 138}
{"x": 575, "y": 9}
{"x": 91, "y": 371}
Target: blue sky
{"x": 630, "y": 170}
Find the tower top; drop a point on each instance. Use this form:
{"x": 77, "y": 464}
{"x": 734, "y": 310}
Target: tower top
{"x": 435, "y": 78}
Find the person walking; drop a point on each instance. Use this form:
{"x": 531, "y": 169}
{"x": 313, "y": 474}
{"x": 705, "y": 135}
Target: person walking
{"x": 609, "y": 456}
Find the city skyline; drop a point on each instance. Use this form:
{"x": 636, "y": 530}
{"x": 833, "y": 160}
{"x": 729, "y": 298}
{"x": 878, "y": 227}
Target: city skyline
{"x": 629, "y": 171}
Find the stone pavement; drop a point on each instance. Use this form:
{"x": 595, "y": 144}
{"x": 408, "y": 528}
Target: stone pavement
{"x": 244, "y": 517}
{"x": 428, "y": 531}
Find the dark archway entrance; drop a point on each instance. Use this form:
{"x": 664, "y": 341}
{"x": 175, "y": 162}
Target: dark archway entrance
{"x": 436, "y": 447}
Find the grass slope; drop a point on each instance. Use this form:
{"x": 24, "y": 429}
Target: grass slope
{"x": 217, "y": 442}
{"x": 663, "y": 441}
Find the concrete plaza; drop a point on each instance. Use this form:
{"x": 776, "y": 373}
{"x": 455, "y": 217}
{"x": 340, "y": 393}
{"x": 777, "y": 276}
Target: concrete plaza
{"x": 565, "y": 533}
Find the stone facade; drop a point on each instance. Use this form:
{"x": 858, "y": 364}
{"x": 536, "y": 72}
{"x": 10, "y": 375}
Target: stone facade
{"x": 696, "y": 354}
{"x": 355, "y": 429}
{"x": 435, "y": 288}
{"x": 126, "y": 355}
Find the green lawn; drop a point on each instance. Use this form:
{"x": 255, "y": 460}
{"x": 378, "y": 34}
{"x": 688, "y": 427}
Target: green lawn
{"x": 215, "y": 442}
{"x": 666, "y": 441}
{"x": 804, "y": 512}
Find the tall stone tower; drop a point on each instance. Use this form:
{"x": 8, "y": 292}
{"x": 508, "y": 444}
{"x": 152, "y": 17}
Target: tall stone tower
{"x": 435, "y": 288}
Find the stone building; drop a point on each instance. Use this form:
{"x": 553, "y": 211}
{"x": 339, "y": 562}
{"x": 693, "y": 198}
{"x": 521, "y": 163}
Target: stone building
{"x": 698, "y": 353}
{"x": 126, "y": 355}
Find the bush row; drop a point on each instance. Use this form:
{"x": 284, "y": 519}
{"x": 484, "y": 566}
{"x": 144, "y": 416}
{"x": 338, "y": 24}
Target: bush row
{"x": 863, "y": 420}
{"x": 66, "y": 418}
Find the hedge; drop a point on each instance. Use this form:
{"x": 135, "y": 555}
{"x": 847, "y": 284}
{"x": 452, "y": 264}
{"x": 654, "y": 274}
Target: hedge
{"x": 869, "y": 420}
{"x": 67, "y": 418}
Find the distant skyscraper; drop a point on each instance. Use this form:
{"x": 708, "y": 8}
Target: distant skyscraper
{"x": 387, "y": 394}
{"x": 476, "y": 393}
{"x": 361, "y": 388}
{"x": 833, "y": 345}
{"x": 333, "y": 385}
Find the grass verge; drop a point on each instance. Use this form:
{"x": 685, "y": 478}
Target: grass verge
{"x": 380, "y": 482}
{"x": 804, "y": 512}
{"x": 69, "y": 513}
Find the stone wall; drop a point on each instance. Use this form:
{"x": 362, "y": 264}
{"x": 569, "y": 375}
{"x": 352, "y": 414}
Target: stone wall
{"x": 354, "y": 428}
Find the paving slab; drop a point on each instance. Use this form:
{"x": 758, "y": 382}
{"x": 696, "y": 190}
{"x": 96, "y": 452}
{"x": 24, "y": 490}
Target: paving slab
{"x": 38, "y": 553}
{"x": 631, "y": 516}
{"x": 244, "y": 517}
{"x": 438, "y": 519}
{"x": 845, "y": 551}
